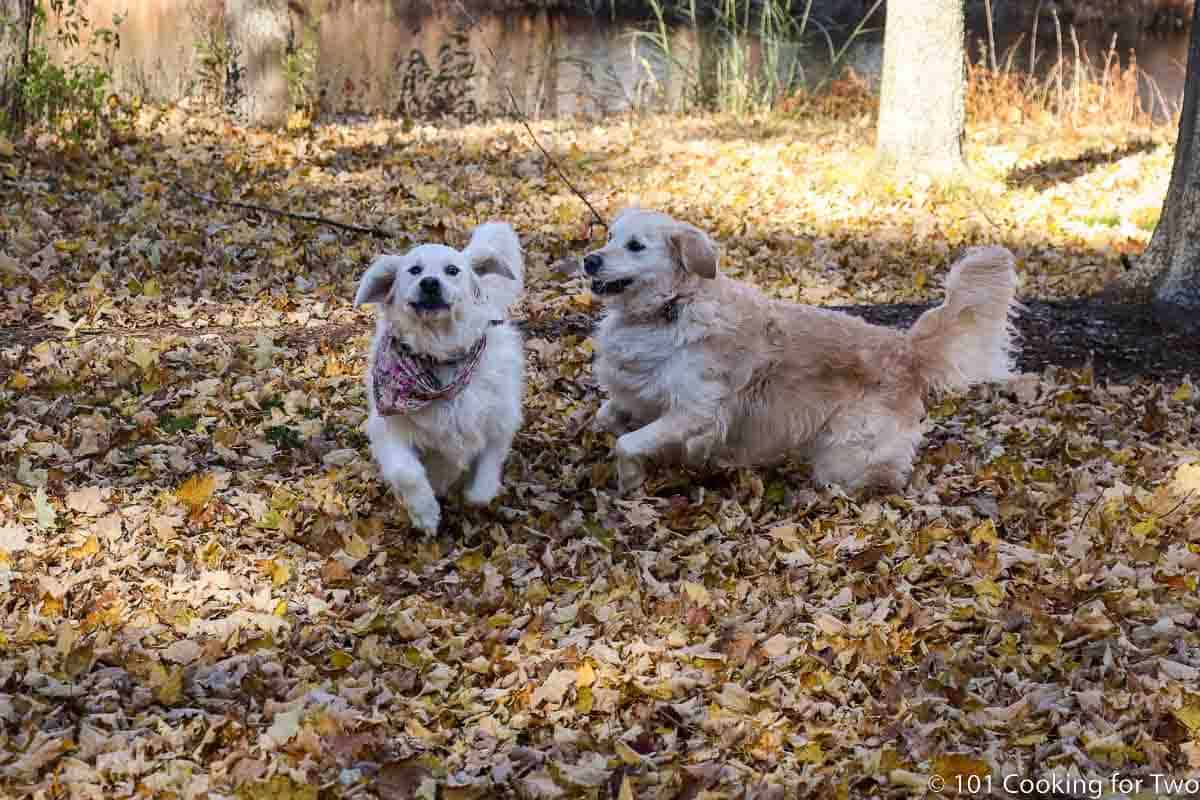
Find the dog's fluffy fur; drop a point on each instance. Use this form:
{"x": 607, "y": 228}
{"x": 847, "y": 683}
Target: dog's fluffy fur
{"x": 698, "y": 366}
{"x": 423, "y": 454}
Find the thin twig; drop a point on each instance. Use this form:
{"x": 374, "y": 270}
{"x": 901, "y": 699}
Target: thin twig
{"x": 1177, "y": 506}
{"x": 524, "y": 120}
{"x": 314, "y": 218}
{"x": 1088, "y": 513}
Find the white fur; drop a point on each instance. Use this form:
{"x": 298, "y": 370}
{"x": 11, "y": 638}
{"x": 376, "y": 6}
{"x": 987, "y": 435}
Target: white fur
{"x": 733, "y": 375}
{"x": 424, "y": 453}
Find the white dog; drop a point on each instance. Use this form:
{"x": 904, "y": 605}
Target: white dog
{"x": 698, "y": 366}
{"x": 446, "y": 372}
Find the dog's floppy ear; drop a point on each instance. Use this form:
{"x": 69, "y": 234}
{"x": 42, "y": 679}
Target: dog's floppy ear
{"x": 377, "y": 281}
{"x": 486, "y": 261}
{"x": 694, "y": 251}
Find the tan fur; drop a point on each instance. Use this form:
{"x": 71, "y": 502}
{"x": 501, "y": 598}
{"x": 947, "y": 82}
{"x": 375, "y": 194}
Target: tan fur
{"x": 699, "y": 368}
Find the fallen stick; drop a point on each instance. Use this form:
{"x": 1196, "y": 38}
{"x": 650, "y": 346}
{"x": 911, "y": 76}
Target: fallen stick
{"x": 314, "y": 218}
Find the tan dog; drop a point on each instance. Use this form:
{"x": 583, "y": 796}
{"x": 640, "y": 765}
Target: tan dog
{"x": 698, "y": 366}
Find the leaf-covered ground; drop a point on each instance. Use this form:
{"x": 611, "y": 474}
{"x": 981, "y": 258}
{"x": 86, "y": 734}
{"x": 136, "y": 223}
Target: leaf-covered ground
{"x": 205, "y": 591}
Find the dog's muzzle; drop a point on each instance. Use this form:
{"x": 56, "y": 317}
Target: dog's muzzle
{"x": 610, "y": 287}
{"x": 592, "y": 264}
{"x": 430, "y": 297}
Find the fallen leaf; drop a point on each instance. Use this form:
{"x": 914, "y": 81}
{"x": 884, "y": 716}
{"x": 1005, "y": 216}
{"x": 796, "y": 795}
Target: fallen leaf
{"x": 554, "y": 688}
{"x": 196, "y": 491}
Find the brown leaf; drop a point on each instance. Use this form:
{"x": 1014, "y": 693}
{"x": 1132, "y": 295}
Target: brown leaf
{"x": 401, "y": 780}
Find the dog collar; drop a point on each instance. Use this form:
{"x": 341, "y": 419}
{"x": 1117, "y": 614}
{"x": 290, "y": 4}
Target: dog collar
{"x": 670, "y": 311}
{"x": 405, "y": 380}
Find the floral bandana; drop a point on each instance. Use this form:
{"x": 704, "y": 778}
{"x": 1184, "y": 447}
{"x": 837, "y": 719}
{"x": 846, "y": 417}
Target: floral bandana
{"x": 405, "y": 381}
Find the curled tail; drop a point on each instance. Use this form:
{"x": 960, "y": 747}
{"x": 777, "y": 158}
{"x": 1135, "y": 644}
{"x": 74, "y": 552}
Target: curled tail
{"x": 496, "y": 243}
{"x": 968, "y": 339}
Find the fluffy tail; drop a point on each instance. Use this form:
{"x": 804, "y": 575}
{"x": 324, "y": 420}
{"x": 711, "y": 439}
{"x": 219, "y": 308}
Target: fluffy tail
{"x": 968, "y": 339}
{"x": 495, "y": 251}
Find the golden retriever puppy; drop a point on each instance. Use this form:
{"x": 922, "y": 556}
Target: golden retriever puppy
{"x": 446, "y": 372}
{"x": 700, "y": 367}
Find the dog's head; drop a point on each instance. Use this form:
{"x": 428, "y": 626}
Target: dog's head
{"x": 431, "y": 286}
{"x": 649, "y": 253}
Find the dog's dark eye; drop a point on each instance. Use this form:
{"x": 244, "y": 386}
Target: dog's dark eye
{"x": 451, "y": 270}
{"x": 414, "y": 270}
{"x": 635, "y": 246}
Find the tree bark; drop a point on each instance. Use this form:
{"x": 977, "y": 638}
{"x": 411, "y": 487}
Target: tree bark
{"x": 923, "y": 93}
{"x": 16, "y": 28}
{"x": 258, "y": 30}
{"x": 1168, "y": 273}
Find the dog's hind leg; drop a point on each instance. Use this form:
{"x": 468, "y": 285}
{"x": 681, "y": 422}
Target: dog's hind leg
{"x": 866, "y": 449}
{"x": 403, "y": 472}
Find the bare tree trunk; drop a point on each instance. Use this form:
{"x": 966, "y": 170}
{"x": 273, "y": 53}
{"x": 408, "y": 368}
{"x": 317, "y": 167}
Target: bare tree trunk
{"x": 259, "y": 32}
{"x": 16, "y": 29}
{"x": 923, "y": 92}
{"x": 1168, "y": 273}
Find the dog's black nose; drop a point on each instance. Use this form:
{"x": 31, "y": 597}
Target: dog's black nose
{"x": 592, "y": 263}
{"x": 430, "y": 285}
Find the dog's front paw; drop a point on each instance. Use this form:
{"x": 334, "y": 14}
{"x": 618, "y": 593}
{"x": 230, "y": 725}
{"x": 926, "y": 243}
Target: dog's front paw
{"x": 482, "y": 491}
{"x": 610, "y": 419}
{"x": 631, "y": 474}
{"x": 698, "y": 450}
{"x": 424, "y": 512}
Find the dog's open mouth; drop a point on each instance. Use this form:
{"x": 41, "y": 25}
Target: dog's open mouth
{"x": 610, "y": 287}
{"x": 430, "y": 306}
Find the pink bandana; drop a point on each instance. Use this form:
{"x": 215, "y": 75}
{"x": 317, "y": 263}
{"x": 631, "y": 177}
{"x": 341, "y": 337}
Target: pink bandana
{"x": 405, "y": 381}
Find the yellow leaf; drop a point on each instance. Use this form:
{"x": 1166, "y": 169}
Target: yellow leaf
{"x": 1183, "y": 394}
{"x": 626, "y": 792}
{"x": 196, "y": 491}
{"x": 51, "y": 606}
{"x": 280, "y": 787}
{"x": 88, "y": 548}
{"x": 585, "y": 675}
{"x": 470, "y": 561}
{"x": 151, "y": 288}
{"x": 167, "y": 683}
{"x": 279, "y": 571}
{"x": 1189, "y": 713}
{"x": 829, "y": 624}
{"x": 628, "y": 754}
{"x": 985, "y": 533}
{"x": 1144, "y": 528}
{"x": 356, "y": 547}
{"x": 18, "y": 381}
{"x": 1187, "y": 479}
{"x": 786, "y": 536}
{"x": 697, "y": 593}
{"x": 584, "y": 700}
{"x": 6, "y": 148}
{"x": 953, "y": 768}
{"x": 414, "y": 728}
{"x": 989, "y": 590}
{"x": 212, "y": 553}
{"x": 811, "y": 753}
{"x": 1029, "y": 740}
{"x": 143, "y": 355}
